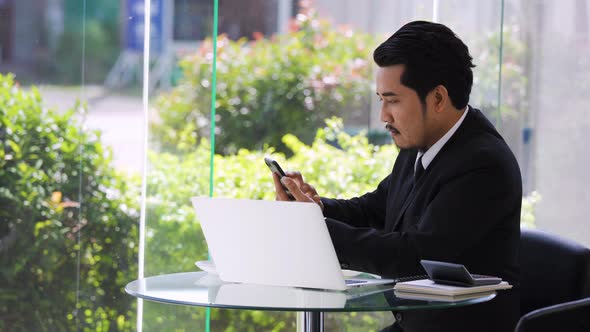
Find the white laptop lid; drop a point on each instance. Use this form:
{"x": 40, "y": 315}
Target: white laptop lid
{"x": 269, "y": 242}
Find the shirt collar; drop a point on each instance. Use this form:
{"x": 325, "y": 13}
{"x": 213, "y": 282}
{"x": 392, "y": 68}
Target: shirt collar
{"x": 428, "y": 156}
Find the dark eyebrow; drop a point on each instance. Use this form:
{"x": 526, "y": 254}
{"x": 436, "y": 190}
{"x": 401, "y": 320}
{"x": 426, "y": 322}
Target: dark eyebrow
{"x": 387, "y": 94}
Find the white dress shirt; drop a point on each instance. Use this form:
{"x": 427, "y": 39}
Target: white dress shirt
{"x": 429, "y": 155}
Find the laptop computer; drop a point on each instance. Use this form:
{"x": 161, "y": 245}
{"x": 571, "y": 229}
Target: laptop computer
{"x": 272, "y": 243}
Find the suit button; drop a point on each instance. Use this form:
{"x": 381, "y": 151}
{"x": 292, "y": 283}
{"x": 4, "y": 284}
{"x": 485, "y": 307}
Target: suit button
{"x": 398, "y": 317}
{"x": 344, "y": 266}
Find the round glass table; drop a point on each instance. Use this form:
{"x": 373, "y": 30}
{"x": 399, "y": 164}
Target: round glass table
{"x": 207, "y": 290}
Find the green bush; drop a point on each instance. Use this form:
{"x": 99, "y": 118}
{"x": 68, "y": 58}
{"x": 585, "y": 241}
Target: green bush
{"x": 527, "y": 215}
{"x": 286, "y": 84}
{"x": 61, "y": 203}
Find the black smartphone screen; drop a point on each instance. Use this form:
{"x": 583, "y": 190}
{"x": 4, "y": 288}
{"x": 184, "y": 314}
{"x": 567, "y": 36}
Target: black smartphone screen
{"x": 276, "y": 168}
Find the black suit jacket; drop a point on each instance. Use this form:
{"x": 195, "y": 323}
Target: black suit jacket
{"x": 465, "y": 209}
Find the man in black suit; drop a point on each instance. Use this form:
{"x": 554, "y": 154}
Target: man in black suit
{"x": 454, "y": 193}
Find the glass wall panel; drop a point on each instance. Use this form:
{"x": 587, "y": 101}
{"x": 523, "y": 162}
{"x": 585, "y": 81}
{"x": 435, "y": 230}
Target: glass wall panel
{"x": 282, "y": 69}
{"x": 478, "y": 25}
{"x": 552, "y": 44}
{"x": 276, "y": 90}
{"x": 502, "y": 96}
{"x": 69, "y": 164}
{"x": 179, "y": 91}
{"x": 380, "y": 19}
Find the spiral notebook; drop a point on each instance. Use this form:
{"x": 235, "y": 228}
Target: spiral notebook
{"x": 427, "y": 286}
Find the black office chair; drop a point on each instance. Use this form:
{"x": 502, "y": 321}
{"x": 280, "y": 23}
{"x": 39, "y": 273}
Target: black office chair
{"x": 554, "y": 270}
{"x": 571, "y": 316}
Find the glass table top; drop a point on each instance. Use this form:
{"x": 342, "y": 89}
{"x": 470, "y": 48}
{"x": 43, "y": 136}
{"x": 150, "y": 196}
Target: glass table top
{"x": 207, "y": 290}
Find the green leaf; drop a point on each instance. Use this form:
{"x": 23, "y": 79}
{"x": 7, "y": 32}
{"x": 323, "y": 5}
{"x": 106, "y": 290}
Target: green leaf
{"x": 15, "y": 148}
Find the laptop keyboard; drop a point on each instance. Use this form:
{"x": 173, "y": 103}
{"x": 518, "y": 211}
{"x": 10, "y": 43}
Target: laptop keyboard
{"x": 410, "y": 278}
{"x": 354, "y": 282}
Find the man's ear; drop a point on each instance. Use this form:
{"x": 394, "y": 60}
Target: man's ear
{"x": 440, "y": 98}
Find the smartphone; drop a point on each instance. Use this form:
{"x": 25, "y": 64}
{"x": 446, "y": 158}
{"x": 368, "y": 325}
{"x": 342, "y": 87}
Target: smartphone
{"x": 276, "y": 168}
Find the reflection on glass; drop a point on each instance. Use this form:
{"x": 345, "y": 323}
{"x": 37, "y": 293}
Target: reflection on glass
{"x": 278, "y": 297}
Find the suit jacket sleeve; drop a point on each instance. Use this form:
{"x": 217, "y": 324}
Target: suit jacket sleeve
{"x": 367, "y": 210}
{"x": 462, "y": 212}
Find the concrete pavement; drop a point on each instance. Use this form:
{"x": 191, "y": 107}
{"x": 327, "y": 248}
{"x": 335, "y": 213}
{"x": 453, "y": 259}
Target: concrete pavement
{"x": 118, "y": 117}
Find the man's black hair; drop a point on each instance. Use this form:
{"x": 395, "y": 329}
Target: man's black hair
{"x": 433, "y": 55}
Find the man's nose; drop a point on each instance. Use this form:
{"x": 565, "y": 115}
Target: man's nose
{"x": 384, "y": 115}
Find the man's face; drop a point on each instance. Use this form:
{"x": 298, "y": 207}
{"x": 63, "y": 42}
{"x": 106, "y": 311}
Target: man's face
{"x": 401, "y": 109}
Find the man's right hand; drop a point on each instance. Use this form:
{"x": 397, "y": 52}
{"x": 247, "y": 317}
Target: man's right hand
{"x": 302, "y": 191}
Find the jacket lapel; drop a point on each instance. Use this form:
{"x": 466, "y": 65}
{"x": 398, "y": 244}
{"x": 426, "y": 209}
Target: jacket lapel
{"x": 411, "y": 191}
{"x": 403, "y": 190}
{"x": 410, "y": 196}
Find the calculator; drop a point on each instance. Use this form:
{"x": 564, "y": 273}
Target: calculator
{"x": 455, "y": 274}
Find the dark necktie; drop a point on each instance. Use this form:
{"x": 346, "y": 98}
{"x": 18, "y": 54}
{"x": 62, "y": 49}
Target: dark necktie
{"x": 419, "y": 169}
